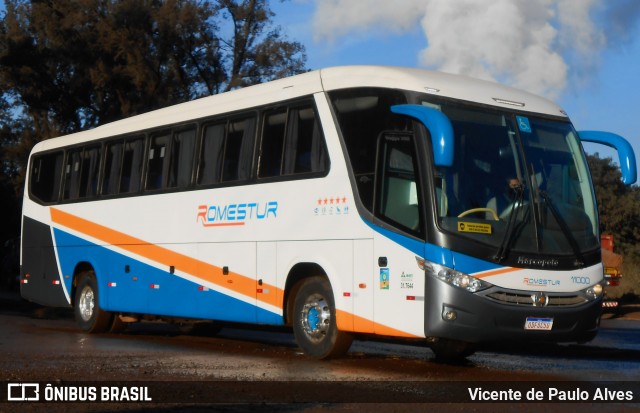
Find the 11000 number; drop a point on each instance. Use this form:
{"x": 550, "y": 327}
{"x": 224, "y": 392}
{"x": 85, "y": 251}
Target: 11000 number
{"x": 581, "y": 280}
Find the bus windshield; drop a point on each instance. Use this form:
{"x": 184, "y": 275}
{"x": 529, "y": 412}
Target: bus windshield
{"x": 518, "y": 182}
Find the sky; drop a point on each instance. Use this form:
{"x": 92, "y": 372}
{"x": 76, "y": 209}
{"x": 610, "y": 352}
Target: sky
{"x": 583, "y": 54}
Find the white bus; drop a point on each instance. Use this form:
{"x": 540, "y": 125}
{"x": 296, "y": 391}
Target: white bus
{"x": 341, "y": 202}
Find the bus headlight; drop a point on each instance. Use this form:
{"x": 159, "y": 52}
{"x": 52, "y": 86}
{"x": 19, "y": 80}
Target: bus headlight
{"x": 594, "y": 292}
{"x": 457, "y": 278}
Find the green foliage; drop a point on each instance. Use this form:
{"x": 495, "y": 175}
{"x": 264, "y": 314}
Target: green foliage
{"x": 66, "y": 65}
{"x": 75, "y": 65}
{"x": 258, "y": 53}
{"x": 619, "y": 211}
{"x": 618, "y": 205}
{"x": 630, "y": 283}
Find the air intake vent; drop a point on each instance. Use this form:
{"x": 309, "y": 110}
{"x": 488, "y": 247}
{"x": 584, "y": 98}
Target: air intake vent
{"x": 524, "y": 298}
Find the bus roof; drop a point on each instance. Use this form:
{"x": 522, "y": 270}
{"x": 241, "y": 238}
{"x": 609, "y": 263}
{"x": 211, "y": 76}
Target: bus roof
{"x": 420, "y": 80}
{"x": 439, "y": 84}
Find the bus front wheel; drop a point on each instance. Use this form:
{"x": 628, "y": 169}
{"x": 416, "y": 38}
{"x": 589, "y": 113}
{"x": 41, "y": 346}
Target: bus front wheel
{"x": 314, "y": 321}
{"x": 88, "y": 313}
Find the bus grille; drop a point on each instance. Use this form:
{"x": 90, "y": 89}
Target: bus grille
{"x": 524, "y": 299}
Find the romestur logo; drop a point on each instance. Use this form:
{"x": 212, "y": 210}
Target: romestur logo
{"x": 538, "y": 262}
{"x": 235, "y": 214}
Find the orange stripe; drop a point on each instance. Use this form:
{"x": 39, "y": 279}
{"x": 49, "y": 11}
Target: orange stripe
{"x": 496, "y": 272}
{"x": 233, "y": 281}
{"x": 224, "y": 224}
{"x": 351, "y": 322}
{"x": 200, "y": 269}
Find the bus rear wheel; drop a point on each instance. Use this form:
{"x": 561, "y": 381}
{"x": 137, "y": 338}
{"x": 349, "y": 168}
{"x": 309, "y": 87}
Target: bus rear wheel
{"x": 314, "y": 321}
{"x": 89, "y": 316}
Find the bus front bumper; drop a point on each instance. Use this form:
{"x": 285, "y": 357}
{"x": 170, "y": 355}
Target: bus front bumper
{"x": 456, "y": 314}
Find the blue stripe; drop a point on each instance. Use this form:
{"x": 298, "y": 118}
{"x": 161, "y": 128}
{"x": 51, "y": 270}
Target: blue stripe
{"x": 429, "y": 252}
{"x": 437, "y": 254}
{"x": 176, "y": 296}
{"x": 471, "y": 265}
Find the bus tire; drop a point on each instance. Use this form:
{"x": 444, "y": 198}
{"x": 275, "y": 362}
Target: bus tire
{"x": 89, "y": 316}
{"x": 314, "y": 321}
{"x": 451, "y": 350}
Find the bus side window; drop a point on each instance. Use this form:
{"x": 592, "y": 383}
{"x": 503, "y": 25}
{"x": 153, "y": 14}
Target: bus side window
{"x": 363, "y": 113}
{"x": 131, "y": 166}
{"x": 112, "y": 166}
{"x": 292, "y": 143}
{"x": 304, "y": 150}
{"x": 397, "y": 194}
{"x": 272, "y": 144}
{"x": 72, "y": 174}
{"x": 181, "y": 162}
{"x": 157, "y": 162}
{"x": 46, "y": 174}
{"x": 211, "y": 151}
{"x": 238, "y": 149}
{"x": 89, "y": 172}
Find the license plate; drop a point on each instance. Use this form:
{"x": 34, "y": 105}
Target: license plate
{"x": 538, "y": 323}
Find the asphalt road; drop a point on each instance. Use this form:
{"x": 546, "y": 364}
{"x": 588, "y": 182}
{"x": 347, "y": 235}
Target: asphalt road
{"x": 243, "y": 369}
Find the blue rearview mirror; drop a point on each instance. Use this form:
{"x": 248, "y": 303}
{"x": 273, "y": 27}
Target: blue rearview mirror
{"x": 620, "y": 144}
{"x": 439, "y": 126}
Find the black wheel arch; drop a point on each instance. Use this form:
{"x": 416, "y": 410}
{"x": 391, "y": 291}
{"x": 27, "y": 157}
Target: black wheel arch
{"x": 297, "y": 274}
{"x": 82, "y": 267}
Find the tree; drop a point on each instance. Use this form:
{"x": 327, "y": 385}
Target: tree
{"x": 619, "y": 206}
{"x": 10, "y": 204}
{"x": 256, "y": 58}
{"x": 75, "y": 65}
{"x": 66, "y": 65}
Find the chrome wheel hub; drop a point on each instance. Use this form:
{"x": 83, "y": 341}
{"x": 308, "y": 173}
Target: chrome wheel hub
{"x": 86, "y": 303}
{"x": 316, "y": 318}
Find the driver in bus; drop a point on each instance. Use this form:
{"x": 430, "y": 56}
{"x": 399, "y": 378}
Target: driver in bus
{"x": 506, "y": 197}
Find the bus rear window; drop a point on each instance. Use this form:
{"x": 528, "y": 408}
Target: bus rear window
{"x": 46, "y": 171}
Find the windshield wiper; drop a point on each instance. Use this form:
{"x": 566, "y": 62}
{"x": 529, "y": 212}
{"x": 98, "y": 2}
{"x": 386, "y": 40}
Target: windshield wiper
{"x": 563, "y": 227}
{"x": 501, "y": 254}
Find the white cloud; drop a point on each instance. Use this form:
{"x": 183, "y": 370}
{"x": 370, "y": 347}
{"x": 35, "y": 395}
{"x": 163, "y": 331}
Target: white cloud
{"x": 535, "y": 45}
{"x": 505, "y": 40}
{"x": 336, "y": 18}
{"x": 579, "y": 31}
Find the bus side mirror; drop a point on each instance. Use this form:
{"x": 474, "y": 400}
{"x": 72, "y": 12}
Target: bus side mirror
{"x": 620, "y": 144}
{"x": 439, "y": 126}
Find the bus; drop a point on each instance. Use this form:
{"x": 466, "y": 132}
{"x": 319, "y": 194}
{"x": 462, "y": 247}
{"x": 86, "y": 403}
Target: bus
{"x": 344, "y": 202}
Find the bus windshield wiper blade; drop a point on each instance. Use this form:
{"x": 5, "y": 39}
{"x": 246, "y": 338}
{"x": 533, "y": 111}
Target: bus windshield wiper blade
{"x": 564, "y": 228}
{"x": 501, "y": 254}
